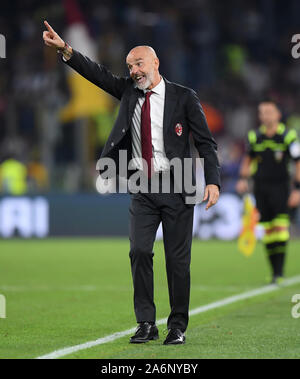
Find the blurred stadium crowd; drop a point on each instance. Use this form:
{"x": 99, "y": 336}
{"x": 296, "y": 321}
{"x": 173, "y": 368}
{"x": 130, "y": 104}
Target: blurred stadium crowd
{"x": 233, "y": 53}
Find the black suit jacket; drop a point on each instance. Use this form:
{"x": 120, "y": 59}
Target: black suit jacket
{"x": 181, "y": 106}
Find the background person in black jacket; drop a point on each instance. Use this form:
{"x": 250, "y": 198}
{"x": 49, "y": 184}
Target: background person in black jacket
{"x": 155, "y": 120}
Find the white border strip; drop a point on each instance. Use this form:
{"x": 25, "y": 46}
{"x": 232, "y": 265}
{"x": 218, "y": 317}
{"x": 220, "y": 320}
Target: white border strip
{"x": 218, "y": 304}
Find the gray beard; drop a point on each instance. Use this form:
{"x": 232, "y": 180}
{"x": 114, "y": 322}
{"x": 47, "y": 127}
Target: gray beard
{"x": 148, "y": 82}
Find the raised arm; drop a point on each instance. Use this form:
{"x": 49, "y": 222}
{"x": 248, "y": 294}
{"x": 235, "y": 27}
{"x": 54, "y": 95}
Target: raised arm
{"x": 92, "y": 71}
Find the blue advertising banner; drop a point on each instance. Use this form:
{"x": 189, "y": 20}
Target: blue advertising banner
{"x": 94, "y": 215}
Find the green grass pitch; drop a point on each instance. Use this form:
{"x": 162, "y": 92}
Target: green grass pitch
{"x": 64, "y": 292}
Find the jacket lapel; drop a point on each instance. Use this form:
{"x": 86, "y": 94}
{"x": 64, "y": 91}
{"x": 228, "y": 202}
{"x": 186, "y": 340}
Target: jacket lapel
{"x": 132, "y": 103}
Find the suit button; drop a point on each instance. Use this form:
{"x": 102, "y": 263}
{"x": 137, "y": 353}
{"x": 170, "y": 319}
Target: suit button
{"x": 123, "y": 130}
{"x": 112, "y": 144}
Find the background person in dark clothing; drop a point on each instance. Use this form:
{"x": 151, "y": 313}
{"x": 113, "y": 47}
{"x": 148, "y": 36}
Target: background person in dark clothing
{"x": 270, "y": 150}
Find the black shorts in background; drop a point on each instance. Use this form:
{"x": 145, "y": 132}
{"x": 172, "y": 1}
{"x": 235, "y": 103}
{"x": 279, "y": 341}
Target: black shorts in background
{"x": 271, "y": 200}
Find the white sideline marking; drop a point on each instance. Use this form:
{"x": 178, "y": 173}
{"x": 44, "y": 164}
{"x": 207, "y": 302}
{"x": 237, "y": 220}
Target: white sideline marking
{"x": 217, "y": 304}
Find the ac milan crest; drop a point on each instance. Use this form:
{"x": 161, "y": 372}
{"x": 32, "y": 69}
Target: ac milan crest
{"x": 178, "y": 129}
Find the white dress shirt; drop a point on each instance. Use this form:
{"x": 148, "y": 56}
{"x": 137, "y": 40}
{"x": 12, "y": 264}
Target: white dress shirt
{"x": 157, "y": 105}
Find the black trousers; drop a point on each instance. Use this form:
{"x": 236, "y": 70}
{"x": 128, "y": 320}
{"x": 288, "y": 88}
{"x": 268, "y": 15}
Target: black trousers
{"x": 146, "y": 213}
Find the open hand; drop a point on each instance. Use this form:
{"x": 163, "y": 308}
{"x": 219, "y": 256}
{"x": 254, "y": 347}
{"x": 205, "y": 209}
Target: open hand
{"x": 51, "y": 38}
{"x": 211, "y": 194}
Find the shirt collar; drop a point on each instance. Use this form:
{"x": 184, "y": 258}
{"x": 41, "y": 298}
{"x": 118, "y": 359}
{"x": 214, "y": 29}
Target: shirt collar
{"x": 159, "y": 88}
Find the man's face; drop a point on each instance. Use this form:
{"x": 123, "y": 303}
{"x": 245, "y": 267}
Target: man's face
{"x": 268, "y": 113}
{"x": 142, "y": 66}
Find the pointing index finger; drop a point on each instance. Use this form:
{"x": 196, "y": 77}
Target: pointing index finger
{"x": 49, "y": 27}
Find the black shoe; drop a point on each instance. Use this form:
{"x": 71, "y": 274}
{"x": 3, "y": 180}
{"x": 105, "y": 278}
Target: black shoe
{"x": 277, "y": 280}
{"x": 145, "y": 332}
{"x": 175, "y": 337}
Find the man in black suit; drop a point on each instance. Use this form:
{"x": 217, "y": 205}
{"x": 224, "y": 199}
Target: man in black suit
{"x": 154, "y": 123}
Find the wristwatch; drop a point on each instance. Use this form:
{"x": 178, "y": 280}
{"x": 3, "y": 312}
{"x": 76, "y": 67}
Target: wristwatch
{"x": 65, "y": 51}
